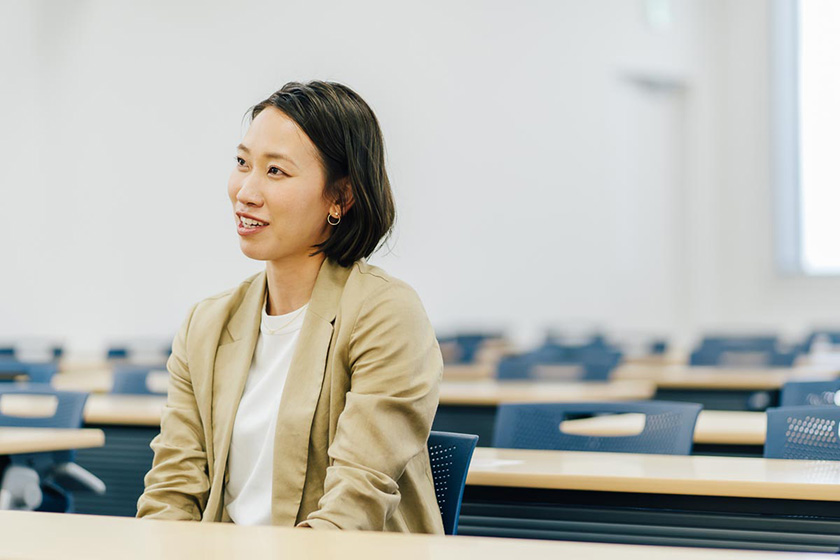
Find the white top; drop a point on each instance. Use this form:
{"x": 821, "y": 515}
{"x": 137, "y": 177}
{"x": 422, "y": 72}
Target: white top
{"x": 248, "y": 492}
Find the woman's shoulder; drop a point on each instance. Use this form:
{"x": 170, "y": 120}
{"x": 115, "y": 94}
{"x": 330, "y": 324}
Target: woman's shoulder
{"x": 229, "y": 299}
{"x": 371, "y": 287}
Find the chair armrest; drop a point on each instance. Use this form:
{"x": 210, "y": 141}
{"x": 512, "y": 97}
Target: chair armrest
{"x": 73, "y": 477}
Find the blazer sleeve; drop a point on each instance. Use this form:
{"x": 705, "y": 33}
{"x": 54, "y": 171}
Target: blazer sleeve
{"x": 395, "y": 368}
{"x": 178, "y": 485}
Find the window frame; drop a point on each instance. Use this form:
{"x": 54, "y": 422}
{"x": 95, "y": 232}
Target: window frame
{"x": 785, "y": 168}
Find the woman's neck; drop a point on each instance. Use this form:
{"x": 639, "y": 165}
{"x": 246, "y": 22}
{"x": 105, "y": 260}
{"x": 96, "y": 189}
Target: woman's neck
{"x": 290, "y": 283}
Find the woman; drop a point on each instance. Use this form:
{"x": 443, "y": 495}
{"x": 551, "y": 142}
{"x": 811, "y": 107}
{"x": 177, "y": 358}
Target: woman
{"x": 305, "y": 395}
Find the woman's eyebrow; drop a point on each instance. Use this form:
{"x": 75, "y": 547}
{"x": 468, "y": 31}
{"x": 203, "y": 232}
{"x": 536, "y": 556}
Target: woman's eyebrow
{"x": 269, "y": 155}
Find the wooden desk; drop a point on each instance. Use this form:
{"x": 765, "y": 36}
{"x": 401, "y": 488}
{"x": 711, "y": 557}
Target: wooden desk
{"x": 497, "y": 392}
{"x": 37, "y": 440}
{"x": 82, "y": 537}
{"x": 122, "y": 410}
{"x": 469, "y": 372}
{"x": 717, "y": 432}
{"x": 655, "y": 499}
{"x": 102, "y": 380}
{"x": 470, "y": 407}
{"x": 723, "y": 388}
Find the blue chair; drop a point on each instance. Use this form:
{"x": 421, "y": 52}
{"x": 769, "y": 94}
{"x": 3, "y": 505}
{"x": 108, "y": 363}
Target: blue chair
{"x": 469, "y": 344}
{"x": 762, "y": 350}
{"x": 742, "y": 343}
{"x": 831, "y": 336}
{"x": 668, "y": 429}
{"x": 125, "y": 352}
{"x": 131, "y": 380}
{"x": 803, "y": 432}
{"x": 515, "y": 367}
{"x": 55, "y": 473}
{"x": 36, "y": 372}
{"x": 450, "y": 456}
{"x": 658, "y": 347}
{"x": 810, "y": 393}
{"x": 719, "y": 356}
{"x": 595, "y": 363}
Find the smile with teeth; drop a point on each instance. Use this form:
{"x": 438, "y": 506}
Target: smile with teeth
{"x": 249, "y": 223}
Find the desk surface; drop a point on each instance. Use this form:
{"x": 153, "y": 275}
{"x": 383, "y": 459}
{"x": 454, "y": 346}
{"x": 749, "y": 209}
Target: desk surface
{"x": 37, "y": 440}
{"x": 83, "y": 537}
{"x": 713, "y": 426}
{"x": 145, "y": 409}
{"x": 102, "y": 380}
{"x": 469, "y": 372}
{"x": 494, "y": 392}
{"x": 132, "y": 410}
{"x": 694, "y": 377}
{"x": 744, "y": 477}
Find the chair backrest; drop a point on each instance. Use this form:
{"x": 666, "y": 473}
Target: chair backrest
{"x": 668, "y": 428}
{"x": 828, "y": 335}
{"x": 450, "y": 456}
{"x": 759, "y": 343}
{"x": 132, "y": 380}
{"x": 744, "y": 351}
{"x": 595, "y": 363}
{"x": 803, "y": 432}
{"x": 717, "y": 356}
{"x": 36, "y": 372}
{"x": 68, "y": 413}
{"x": 810, "y": 393}
{"x": 515, "y": 367}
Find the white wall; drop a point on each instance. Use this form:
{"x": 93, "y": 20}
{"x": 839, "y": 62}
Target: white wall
{"x": 537, "y": 182}
{"x": 747, "y": 287}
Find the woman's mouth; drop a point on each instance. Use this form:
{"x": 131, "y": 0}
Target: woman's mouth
{"x": 248, "y": 226}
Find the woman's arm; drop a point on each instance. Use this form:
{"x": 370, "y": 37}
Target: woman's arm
{"x": 395, "y": 366}
{"x": 178, "y": 485}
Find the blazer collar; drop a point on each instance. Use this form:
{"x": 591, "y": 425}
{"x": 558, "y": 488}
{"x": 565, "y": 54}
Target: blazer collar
{"x": 326, "y": 295}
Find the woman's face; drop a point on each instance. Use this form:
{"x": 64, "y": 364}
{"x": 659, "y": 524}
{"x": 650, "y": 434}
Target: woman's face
{"x": 277, "y": 190}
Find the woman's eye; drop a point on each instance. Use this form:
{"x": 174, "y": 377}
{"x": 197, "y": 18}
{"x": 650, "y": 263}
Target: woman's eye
{"x": 275, "y": 171}
{"x": 240, "y": 161}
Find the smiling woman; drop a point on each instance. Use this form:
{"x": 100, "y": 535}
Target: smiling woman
{"x": 305, "y": 395}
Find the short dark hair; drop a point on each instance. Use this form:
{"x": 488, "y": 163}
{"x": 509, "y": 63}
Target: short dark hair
{"x": 349, "y": 141}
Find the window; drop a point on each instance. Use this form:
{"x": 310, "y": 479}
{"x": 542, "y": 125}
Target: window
{"x": 807, "y": 114}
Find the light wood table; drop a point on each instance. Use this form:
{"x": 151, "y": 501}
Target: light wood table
{"x": 723, "y": 388}
{"x": 717, "y": 432}
{"x": 102, "y": 381}
{"x": 469, "y": 372}
{"x": 82, "y": 537}
{"x": 121, "y": 410}
{"x": 657, "y": 499}
{"x": 38, "y": 440}
{"x": 723, "y": 378}
{"x": 470, "y": 407}
{"x": 498, "y": 392}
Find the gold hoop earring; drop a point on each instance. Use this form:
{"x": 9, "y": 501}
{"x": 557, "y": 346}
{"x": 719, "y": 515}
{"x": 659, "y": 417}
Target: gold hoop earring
{"x": 333, "y": 223}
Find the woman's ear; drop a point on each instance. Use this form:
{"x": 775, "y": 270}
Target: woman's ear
{"x": 347, "y": 199}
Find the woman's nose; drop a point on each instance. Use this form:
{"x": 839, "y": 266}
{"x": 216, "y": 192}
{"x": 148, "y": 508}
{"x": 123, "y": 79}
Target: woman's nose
{"x": 248, "y": 194}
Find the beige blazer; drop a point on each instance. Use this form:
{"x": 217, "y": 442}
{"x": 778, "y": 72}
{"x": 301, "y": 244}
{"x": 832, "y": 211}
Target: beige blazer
{"x": 355, "y": 413}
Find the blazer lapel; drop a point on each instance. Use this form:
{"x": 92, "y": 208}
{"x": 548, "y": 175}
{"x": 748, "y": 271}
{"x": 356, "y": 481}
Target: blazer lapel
{"x": 301, "y": 392}
{"x": 230, "y": 372}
